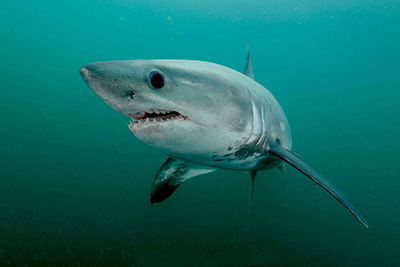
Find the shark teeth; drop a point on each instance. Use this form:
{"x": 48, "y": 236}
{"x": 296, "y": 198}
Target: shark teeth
{"x": 153, "y": 116}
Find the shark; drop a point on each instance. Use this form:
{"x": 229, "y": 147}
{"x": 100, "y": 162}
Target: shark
{"x": 204, "y": 117}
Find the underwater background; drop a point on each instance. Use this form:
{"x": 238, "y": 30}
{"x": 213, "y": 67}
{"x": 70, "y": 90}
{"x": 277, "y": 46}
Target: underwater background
{"x": 75, "y": 183}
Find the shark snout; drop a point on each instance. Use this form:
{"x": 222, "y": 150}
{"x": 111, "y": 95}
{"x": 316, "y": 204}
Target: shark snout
{"x": 87, "y": 71}
{"x": 104, "y": 79}
{"x": 84, "y": 72}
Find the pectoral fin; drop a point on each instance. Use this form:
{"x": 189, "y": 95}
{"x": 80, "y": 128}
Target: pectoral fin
{"x": 171, "y": 174}
{"x": 299, "y": 164}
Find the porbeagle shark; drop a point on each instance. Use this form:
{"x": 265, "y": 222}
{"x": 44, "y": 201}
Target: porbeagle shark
{"x": 204, "y": 116}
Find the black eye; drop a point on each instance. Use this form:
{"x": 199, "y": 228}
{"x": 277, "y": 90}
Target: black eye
{"x": 156, "y": 80}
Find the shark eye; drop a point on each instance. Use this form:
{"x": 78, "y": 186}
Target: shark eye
{"x": 156, "y": 80}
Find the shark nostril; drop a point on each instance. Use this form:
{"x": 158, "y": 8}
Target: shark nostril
{"x": 131, "y": 94}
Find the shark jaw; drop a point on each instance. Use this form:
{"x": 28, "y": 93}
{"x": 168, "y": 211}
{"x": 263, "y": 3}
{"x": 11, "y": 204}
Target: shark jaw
{"x": 167, "y": 130}
{"x": 153, "y": 117}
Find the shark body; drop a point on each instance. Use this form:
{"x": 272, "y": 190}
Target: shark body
{"x": 204, "y": 116}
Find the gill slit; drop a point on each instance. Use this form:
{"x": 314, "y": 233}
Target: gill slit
{"x": 260, "y": 128}
{"x": 256, "y": 127}
{"x": 267, "y": 131}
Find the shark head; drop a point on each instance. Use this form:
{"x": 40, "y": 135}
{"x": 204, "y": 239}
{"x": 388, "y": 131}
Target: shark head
{"x": 185, "y": 108}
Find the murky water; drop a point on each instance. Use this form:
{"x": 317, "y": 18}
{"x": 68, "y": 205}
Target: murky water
{"x": 75, "y": 183}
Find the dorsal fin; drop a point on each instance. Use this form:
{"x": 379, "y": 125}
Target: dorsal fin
{"x": 248, "y": 68}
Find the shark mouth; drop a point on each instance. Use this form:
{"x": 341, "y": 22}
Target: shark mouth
{"x": 153, "y": 116}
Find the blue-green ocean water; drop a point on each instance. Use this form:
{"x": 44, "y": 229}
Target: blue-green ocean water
{"x": 75, "y": 183}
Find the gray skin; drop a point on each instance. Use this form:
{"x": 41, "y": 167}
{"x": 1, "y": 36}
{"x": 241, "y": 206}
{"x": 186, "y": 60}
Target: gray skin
{"x": 230, "y": 118}
{"x": 216, "y": 118}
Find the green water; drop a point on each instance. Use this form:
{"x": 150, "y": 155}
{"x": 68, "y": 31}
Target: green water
{"x": 75, "y": 183}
